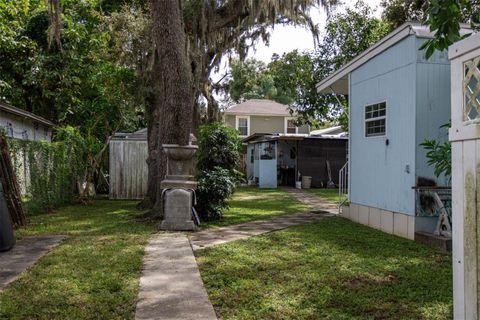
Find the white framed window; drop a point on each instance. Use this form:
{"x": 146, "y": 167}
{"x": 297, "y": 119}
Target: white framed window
{"x": 242, "y": 124}
{"x": 376, "y": 119}
{"x": 290, "y": 126}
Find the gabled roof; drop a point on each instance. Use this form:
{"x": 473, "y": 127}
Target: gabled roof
{"x": 24, "y": 114}
{"x": 259, "y": 107}
{"x": 337, "y": 82}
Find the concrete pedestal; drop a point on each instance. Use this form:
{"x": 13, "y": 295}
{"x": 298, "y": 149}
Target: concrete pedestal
{"x": 178, "y": 210}
{"x": 179, "y": 185}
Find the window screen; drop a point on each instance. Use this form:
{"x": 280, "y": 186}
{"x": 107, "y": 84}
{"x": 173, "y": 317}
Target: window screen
{"x": 243, "y": 126}
{"x": 375, "y": 119}
{"x": 291, "y": 128}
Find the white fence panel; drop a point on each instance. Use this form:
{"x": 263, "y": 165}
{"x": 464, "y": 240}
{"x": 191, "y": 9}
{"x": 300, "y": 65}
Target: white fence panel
{"x": 465, "y": 138}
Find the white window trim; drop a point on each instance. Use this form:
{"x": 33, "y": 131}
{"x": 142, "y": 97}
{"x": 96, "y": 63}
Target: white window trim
{"x": 365, "y": 120}
{"x": 286, "y": 125}
{"x": 248, "y": 124}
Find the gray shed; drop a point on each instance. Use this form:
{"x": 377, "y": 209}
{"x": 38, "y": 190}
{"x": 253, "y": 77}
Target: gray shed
{"x": 128, "y": 171}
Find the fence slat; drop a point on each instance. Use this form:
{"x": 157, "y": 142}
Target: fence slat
{"x": 128, "y": 169}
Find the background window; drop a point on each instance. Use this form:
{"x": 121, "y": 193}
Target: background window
{"x": 243, "y": 126}
{"x": 291, "y": 128}
{"x": 375, "y": 119}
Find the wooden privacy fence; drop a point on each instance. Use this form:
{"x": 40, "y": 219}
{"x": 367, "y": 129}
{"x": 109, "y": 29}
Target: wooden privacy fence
{"x": 128, "y": 168}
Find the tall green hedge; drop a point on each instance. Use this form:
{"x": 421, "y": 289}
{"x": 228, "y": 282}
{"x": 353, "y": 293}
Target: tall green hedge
{"x": 53, "y": 169}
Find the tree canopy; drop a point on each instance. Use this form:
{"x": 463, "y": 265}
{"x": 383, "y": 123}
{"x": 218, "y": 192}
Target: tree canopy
{"x": 292, "y": 77}
{"x": 74, "y": 80}
{"x": 443, "y": 16}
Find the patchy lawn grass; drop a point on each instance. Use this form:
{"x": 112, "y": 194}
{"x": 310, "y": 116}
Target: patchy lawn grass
{"x": 250, "y": 203}
{"x": 331, "y": 269}
{"x": 92, "y": 275}
{"x": 327, "y": 194}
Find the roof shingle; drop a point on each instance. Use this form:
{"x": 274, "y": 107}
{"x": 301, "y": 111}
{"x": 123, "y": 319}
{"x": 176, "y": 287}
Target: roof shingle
{"x": 260, "y": 107}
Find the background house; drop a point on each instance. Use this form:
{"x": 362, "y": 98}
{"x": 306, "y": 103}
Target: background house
{"x": 262, "y": 116}
{"x": 397, "y": 99}
{"x": 21, "y": 124}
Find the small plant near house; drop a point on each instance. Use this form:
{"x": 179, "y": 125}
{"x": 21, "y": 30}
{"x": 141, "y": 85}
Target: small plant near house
{"x": 439, "y": 155}
{"x": 218, "y": 158}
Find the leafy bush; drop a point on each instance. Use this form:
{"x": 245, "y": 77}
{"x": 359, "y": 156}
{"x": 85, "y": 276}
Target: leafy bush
{"x": 214, "y": 189}
{"x": 218, "y": 157}
{"x": 218, "y": 146}
{"x": 439, "y": 155}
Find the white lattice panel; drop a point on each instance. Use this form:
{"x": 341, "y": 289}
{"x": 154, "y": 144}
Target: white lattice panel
{"x": 471, "y": 90}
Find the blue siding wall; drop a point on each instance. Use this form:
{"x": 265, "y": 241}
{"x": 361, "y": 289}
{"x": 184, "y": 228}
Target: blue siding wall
{"x": 381, "y": 176}
{"x": 433, "y": 106}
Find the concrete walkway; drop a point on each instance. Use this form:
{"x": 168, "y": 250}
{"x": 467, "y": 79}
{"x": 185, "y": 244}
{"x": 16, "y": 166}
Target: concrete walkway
{"x": 23, "y": 255}
{"x": 216, "y": 236}
{"x": 170, "y": 286}
{"x": 312, "y": 201}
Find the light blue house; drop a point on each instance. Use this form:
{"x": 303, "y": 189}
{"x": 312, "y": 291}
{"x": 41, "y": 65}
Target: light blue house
{"x": 397, "y": 99}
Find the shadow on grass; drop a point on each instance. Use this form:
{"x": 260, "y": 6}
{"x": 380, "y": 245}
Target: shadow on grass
{"x": 96, "y": 218}
{"x": 332, "y": 269}
{"x": 92, "y": 275}
{"x": 249, "y": 204}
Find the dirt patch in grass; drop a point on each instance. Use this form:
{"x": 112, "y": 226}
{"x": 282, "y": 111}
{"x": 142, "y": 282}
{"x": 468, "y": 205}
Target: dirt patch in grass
{"x": 372, "y": 280}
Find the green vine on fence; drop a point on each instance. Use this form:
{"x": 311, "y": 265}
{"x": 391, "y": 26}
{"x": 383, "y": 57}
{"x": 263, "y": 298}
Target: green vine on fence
{"x": 49, "y": 172}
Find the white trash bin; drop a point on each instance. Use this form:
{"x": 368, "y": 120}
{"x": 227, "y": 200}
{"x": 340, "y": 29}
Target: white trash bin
{"x": 306, "y": 182}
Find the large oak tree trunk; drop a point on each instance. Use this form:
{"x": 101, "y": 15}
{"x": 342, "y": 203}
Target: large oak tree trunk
{"x": 171, "y": 113}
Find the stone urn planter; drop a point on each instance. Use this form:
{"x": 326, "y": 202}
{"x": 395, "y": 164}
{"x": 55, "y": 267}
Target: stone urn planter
{"x": 179, "y": 187}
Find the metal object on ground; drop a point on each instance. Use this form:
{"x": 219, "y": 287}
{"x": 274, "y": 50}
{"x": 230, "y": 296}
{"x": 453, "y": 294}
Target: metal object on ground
{"x": 435, "y": 202}
{"x": 343, "y": 185}
{"x": 330, "y": 183}
{"x": 7, "y": 239}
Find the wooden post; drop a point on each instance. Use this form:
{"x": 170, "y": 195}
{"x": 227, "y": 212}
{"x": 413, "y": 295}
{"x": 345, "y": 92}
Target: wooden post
{"x": 10, "y": 186}
{"x": 465, "y": 138}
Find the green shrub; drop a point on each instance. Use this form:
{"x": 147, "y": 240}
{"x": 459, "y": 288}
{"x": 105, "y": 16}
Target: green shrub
{"x": 218, "y": 157}
{"x": 50, "y": 171}
{"x": 439, "y": 155}
{"x": 214, "y": 189}
{"x": 218, "y": 146}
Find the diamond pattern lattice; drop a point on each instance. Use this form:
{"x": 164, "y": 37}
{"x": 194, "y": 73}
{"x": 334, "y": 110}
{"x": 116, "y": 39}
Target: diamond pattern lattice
{"x": 471, "y": 90}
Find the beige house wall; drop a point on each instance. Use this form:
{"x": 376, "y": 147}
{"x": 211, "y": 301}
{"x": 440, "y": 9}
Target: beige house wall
{"x": 399, "y": 224}
{"x": 230, "y": 120}
{"x": 265, "y": 124}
